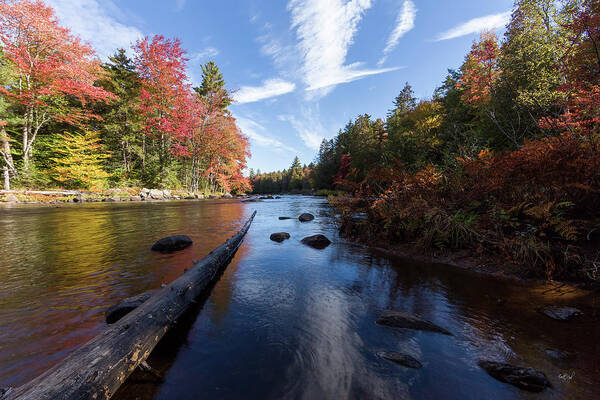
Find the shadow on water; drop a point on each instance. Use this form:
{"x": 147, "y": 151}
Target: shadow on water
{"x": 285, "y": 320}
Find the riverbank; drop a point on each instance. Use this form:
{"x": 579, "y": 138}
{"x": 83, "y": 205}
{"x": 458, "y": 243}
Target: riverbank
{"x": 466, "y": 242}
{"x": 26, "y": 196}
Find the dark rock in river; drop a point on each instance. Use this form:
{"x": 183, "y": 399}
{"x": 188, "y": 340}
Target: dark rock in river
{"x": 317, "y": 241}
{"x": 266, "y": 198}
{"x": 111, "y": 199}
{"x": 522, "y": 377}
{"x": 125, "y": 306}
{"x": 306, "y": 217}
{"x": 559, "y": 355}
{"x": 401, "y": 319}
{"x": 279, "y": 236}
{"x": 284, "y": 218}
{"x": 251, "y": 200}
{"x": 560, "y": 313}
{"x": 401, "y": 359}
{"x": 172, "y": 243}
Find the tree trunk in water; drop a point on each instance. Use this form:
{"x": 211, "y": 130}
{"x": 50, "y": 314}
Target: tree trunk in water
{"x": 98, "y": 368}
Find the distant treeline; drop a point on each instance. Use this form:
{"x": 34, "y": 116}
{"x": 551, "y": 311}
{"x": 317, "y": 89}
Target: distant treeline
{"x": 68, "y": 120}
{"x": 503, "y": 160}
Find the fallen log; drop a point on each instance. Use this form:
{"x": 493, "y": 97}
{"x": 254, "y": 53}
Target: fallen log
{"x": 99, "y": 367}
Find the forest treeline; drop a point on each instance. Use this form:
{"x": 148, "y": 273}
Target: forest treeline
{"x": 504, "y": 159}
{"x": 68, "y": 120}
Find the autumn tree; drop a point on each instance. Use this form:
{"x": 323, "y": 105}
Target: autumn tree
{"x": 161, "y": 63}
{"x": 80, "y": 161}
{"x": 55, "y": 71}
{"x": 480, "y": 70}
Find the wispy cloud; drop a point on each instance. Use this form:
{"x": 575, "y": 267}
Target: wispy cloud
{"x": 325, "y": 30}
{"x": 202, "y": 55}
{"x": 404, "y": 23}
{"x": 251, "y": 129}
{"x": 308, "y": 127}
{"x": 269, "y": 88}
{"x": 476, "y": 25}
{"x": 92, "y": 21}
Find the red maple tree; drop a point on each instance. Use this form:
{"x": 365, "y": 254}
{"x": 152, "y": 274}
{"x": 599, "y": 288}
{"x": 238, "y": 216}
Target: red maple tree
{"x": 54, "y": 71}
{"x": 480, "y": 69}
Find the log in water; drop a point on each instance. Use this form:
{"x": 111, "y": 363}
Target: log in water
{"x": 98, "y": 368}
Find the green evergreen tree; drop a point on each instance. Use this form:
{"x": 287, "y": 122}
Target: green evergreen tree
{"x": 213, "y": 84}
{"x": 120, "y": 127}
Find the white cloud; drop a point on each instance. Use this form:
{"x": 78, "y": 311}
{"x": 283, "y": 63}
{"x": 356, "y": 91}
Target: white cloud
{"x": 325, "y": 30}
{"x": 309, "y": 128}
{"x": 477, "y": 25}
{"x": 208, "y": 52}
{"x": 404, "y": 23}
{"x": 250, "y": 128}
{"x": 93, "y": 23}
{"x": 270, "y": 88}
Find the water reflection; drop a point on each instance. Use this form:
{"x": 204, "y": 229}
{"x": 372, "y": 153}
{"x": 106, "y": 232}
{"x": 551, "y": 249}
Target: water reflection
{"x": 288, "y": 321}
{"x": 61, "y": 267}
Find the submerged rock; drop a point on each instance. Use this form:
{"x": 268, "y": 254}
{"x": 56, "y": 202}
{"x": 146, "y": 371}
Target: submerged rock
{"x": 279, "y": 236}
{"x": 317, "y": 241}
{"x": 172, "y": 243}
{"x": 401, "y": 319}
{"x": 559, "y": 355}
{"x": 560, "y": 313}
{"x": 400, "y": 359}
{"x": 522, "y": 377}
{"x": 124, "y": 307}
{"x": 306, "y": 217}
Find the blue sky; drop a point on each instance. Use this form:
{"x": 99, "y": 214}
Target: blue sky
{"x": 302, "y": 68}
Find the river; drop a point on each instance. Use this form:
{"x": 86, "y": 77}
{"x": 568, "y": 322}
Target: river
{"x": 284, "y": 320}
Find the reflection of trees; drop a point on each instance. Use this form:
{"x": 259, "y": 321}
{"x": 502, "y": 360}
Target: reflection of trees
{"x": 63, "y": 266}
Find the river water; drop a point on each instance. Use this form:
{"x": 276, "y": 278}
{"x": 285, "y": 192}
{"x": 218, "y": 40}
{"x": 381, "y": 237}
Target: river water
{"x": 284, "y": 320}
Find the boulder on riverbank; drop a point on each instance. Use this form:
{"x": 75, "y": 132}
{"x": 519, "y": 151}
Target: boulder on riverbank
{"x": 111, "y": 199}
{"x": 125, "y": 306}
{"x": 560, "y": 313}
{"x": 11, "y": 198}
{"x": 401, "y": 359}
{"x": 316, "y": 241}
{"x": 522, "y": 377}
{"x": 306, "y": 217}
{"x": 172, "y": 243}
{"x": 401, "y": 319}
{"x": 279, "y": 236}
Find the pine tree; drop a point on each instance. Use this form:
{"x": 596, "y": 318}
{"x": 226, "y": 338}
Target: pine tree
{"x": 80, "y": 161}
{"x": 121, "y": 126}
{"x": 213, "y": 85}
{"x": 405, "y": 102}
